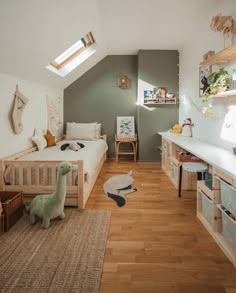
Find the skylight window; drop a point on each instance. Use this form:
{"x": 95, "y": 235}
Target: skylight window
{"x": 73, "y": 56}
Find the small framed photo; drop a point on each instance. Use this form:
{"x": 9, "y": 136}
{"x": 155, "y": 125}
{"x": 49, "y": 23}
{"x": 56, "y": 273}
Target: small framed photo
{"x": 204, "y": 72}
{"x": 125, "y": 126}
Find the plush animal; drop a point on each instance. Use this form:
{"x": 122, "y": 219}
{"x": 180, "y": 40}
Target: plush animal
{"x": 51, "y": 206}
{"x": 177, "y": 128}
{"x": 118, "y": 186}
{"x": 75, "y": 146}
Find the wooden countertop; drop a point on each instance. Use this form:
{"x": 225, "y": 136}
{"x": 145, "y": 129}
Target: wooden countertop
{"x": 218, "y": 157}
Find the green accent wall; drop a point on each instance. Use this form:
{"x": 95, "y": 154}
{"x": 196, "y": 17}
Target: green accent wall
{"x": 96, "y": 97}
{"x": 159, "y": 68}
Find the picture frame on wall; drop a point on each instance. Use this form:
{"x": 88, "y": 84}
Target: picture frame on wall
{"x": 125, "y": 126}
{"x": 204, "y": 72}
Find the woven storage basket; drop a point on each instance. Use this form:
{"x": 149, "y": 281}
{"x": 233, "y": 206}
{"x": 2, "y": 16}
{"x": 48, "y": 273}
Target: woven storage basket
{"x": 12, "y": 205}
{"x": 187, "y": 158}
{"x": 1, "y": 224}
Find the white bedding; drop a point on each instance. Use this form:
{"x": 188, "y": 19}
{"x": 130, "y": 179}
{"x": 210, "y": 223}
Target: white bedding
{"x": 91, "y": 154}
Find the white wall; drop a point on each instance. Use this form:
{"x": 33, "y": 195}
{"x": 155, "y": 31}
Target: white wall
{"x": 34, "y": 114}
{"x": 202, "y": 41}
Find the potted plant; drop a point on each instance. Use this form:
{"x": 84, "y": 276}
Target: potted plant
{"x": 218, "y": 82}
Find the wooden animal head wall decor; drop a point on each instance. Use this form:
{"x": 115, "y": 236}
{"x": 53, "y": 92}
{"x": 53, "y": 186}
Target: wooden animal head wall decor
{"x": 224, "y": 24}
{"x": 123, "y": 81}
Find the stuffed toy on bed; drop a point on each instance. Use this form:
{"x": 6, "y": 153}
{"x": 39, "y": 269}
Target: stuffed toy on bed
{"x": 75, "y": 146}
{"x": 51, "y": 206}
{"x": 118, "y": 186}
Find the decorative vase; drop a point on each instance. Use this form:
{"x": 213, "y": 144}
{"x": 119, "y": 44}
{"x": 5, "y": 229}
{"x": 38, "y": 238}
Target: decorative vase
{"x": 221, "y": 89}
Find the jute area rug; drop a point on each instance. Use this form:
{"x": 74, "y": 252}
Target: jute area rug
{"x": 66, "y": 257}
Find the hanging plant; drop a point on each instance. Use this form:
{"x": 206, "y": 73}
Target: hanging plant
{"x": 218, "y": 82}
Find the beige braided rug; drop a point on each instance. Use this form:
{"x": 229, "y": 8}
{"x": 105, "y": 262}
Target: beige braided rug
{"x": 66, "y": 257}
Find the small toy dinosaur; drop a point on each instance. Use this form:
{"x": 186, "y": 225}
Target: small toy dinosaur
{"x": 51, "y": 206}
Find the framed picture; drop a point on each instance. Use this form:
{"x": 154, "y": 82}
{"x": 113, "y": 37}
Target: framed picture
{"x": 204, "y": 72}
{"x": 125, "y": 126}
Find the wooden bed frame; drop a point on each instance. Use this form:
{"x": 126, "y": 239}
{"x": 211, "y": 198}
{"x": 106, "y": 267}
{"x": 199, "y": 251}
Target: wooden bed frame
{"x": 77, "y": 195}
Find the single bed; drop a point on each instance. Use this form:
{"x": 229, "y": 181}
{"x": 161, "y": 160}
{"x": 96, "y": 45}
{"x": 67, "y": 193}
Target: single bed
{"x": 34, "y": 172}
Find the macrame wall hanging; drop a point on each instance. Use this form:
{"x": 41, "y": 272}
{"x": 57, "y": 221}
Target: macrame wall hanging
{"x": 19, "y": 104}
{"x": 54, "y": 114}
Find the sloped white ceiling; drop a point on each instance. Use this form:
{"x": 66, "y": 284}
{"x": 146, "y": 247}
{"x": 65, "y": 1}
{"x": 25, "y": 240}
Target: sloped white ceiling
{"x": 33, "y": 33}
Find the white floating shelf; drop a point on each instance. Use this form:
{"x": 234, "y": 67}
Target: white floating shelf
{"x": 225, "y": 94}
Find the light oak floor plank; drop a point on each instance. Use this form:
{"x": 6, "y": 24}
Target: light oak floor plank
{"x": 156, "y": 243}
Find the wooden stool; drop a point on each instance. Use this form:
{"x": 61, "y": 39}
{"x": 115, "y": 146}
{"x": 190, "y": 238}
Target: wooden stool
{"x": 126, "y": 139}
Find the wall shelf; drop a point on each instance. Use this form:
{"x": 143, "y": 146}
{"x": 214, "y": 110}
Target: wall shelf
{"x": 225, "y": 94}
{"x": 160, "y": 101}
{"x": 223, "y": 56}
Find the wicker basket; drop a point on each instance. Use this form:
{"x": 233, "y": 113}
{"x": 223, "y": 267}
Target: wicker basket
{"x": 1, "y": 224}
{"x": 187, "y": 158}
{"x": 12, "y": 205}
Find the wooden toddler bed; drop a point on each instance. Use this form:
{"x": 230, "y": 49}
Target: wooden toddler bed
{"x": 35, "y": 172}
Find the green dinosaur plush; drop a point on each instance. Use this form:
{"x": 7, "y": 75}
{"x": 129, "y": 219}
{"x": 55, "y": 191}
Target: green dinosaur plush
{"x": 51, "y": 206}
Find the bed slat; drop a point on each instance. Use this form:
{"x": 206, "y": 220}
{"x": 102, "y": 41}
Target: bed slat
{"x": 69, "y": 179}
{"x": 45, "y": 174}
{"x": 28, "y": 175}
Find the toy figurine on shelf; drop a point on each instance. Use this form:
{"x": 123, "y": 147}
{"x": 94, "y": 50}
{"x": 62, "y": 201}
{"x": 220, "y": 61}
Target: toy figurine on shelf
{"x": 170, "y": 95}
{"x": 187, "y": 127}
{"x": 176, "y": 129}
{"x": 161, "y": 91}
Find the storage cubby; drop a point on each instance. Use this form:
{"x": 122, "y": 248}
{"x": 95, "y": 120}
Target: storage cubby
{"x": 206, "y": 206}
{"x": 216, "y": 194}
{"x": 227, "y": 195}
{"x": 171, "y": 166}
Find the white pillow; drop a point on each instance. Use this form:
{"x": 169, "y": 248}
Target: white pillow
{"x": 82, "y": 131}
{"x": 98, "y": 130}
{"x": 39, "y": 139}
{"x": 40, "y": 142}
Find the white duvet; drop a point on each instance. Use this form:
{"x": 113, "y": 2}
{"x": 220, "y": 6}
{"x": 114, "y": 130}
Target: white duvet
{"x": 91, "y": 154}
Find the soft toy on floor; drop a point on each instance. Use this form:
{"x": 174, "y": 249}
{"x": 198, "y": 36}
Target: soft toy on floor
{"x": 118, "y": 186}
{"x": 51, "y": 206}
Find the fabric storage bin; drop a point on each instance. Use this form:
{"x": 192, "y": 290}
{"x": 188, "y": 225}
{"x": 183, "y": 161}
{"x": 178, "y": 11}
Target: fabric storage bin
{"x": 208, "y": 180}
{"x": 174, "y": 172}
{"x": 228, "y": 227}
{"x": 228, "y": 196}
{"x": 206, "y": 207}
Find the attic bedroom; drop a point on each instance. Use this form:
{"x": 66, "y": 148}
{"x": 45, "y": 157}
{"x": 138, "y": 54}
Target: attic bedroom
{"x": 118, "y": 144}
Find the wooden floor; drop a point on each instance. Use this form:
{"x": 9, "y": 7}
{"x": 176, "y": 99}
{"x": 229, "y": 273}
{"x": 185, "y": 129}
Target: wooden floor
{"x": 156, "y": 243}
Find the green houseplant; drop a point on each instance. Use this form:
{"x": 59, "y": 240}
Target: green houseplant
{"x": 218, "y": 82}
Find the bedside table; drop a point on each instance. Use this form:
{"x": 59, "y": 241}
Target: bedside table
{"x": 132, "y": 140}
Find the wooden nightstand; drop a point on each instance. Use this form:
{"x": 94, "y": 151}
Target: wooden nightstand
{"x": 132, "y": 140}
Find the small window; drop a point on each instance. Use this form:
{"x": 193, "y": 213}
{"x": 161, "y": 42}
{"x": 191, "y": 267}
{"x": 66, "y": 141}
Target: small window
{"x": 73, "y": 56}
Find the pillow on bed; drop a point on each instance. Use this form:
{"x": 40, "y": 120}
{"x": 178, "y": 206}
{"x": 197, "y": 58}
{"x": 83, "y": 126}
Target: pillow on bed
{"x": 98, "y": 130}
{"x": 39, "y": 139}
{"x": 82, "y": 131}
{"x": 50, "y": 139}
